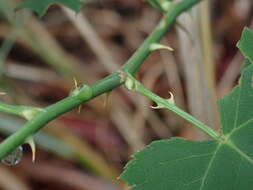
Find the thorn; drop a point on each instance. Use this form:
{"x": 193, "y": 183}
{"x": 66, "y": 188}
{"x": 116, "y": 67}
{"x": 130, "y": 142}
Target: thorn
{"x": 155, "y": 46}
{"x": 30, "y": 142}
{"x": 158, "y": 106}
{"x": 75, "y": 82}
{"x": 171, "y": 99}
{"x": 106, "y": 100}
{"x": 155, "y": 107}
{"x": 75, "y": 89}
{"x": 80, "y": 109}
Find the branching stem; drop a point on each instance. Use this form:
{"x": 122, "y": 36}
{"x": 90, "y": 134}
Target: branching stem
{"x": 107, "y": 84}
{"x": 26, "y": 112}
{"x": 133, "y": 84}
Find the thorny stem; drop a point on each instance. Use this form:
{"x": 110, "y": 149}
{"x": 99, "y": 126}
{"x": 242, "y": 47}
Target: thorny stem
{"x": 27, "y": 112}
{"x": 102, "y": 86}
{"x": 132, "y": 84}
{"x": 11, "y": 109}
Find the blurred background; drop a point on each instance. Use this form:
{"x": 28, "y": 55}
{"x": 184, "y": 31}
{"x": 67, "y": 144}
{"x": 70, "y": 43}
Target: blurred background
{"x": 87, "y": 150}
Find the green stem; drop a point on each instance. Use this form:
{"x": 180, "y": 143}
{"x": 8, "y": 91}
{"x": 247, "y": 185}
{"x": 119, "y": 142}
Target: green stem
{"x": 107, "y": 84}
{"x": 11, "y": 109}
{"x": 133, "y": 84}
{"x": 23, "y": 111}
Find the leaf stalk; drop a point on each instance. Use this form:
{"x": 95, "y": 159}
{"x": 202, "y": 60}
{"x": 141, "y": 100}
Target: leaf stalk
{"x": 132, "y": 84}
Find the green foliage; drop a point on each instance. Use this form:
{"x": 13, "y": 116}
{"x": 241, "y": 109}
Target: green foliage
{"x": 226, "y": 162}
{"x": 220, "y": 164}
{"x": 40, "y": 7}
{"x": 246, "y": 44}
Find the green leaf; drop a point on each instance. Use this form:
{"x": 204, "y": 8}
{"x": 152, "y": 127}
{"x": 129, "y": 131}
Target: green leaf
{"x": 236, "y": 108}
{"x": 223, "y": 164}
{"x": 41, "y": 6}
{"x": 246, "y": 44}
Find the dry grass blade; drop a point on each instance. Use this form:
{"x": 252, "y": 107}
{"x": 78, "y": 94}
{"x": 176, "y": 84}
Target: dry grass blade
{"x": 84, "y": 152}
{"x": 229, "y": 77}
{"x": 9, "y": 181}
{"x": 90, "y": 35}
{"x": 200, "y": 99}
{"x": 69, "y": 177}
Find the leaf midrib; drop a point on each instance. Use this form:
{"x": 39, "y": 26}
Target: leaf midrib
{"x": 241, "y": 153}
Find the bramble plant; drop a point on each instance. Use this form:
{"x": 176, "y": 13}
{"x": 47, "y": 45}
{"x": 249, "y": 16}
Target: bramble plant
{"x": 226, "y": 162}
{"x": 222, "y": 163}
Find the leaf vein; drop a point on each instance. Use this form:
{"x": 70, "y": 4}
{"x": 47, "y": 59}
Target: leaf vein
{"x": 237, "y": 106}
{"x": 208, "y": 168}
{"x": 240, "y": 126}
{"x": 186, "y": 158}
{"x": 241, "y": 153}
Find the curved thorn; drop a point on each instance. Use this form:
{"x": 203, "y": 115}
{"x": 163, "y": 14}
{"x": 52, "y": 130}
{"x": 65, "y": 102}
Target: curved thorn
{"x": 30, "y": 142}
{"x": 156, "y": 46}
{"x": 157, "y": 107}
{"x": 171, "y": 99}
